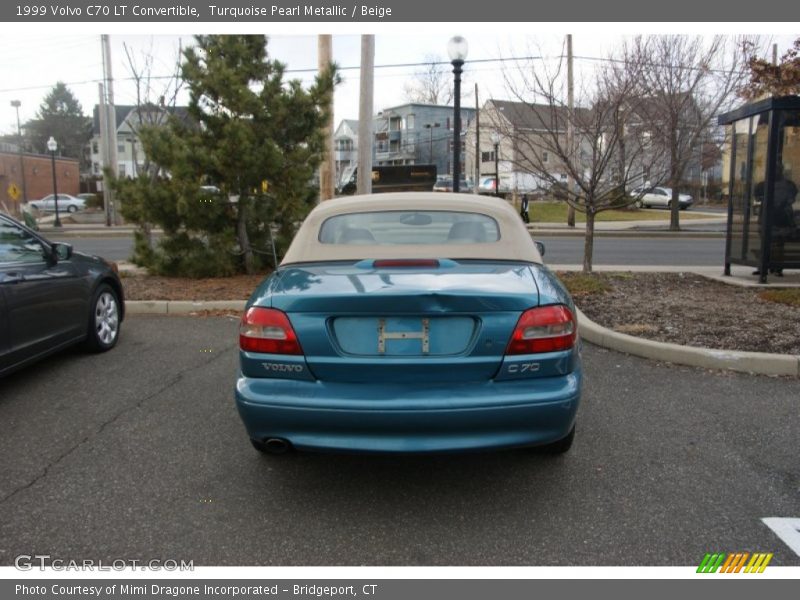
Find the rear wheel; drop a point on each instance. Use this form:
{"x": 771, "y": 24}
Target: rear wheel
{"x": 72, "y": 208}
{"x": 104, "y": 320}
{"x": 561, "y": 446}
{"x": 669, "y": 205}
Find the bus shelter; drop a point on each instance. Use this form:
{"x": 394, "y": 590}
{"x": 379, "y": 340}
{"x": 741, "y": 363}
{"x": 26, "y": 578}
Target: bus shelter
{"x": 763, "y": 178}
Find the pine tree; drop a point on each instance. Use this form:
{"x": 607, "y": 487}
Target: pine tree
{"x": 60, "y": 115}
{"x": 251, "y": 134}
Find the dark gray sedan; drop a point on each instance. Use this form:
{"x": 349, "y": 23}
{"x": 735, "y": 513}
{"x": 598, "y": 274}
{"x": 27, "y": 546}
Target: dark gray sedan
{"x": 52, "y": 297}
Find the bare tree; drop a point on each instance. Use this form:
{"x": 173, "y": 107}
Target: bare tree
{"x": 156, "y": 98}
{"x": 685, "y": 82}
{"x": 607, "y": 156}
{"x": 431, "y": 85}
{"x": 154, "y": 102}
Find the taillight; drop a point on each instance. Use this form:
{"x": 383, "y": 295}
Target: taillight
{"x": 544, "y": 329}
{"x": 267, "y": 330}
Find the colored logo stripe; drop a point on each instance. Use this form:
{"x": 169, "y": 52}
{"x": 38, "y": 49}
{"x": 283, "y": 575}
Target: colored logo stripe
{"x": 758, "y": 563}
{"x": 734, "y": 562}
{"x": 711, "y": 563}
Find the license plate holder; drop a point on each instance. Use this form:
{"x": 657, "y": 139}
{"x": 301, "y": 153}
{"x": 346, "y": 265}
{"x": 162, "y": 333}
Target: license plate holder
{"x": 424, "y": 336}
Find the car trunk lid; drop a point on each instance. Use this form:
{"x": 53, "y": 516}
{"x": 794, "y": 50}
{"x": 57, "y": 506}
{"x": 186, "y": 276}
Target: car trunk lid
{"x": 444, "y": 322}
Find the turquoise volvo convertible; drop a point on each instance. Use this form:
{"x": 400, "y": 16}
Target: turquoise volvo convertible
{"x": 414, "y": 322}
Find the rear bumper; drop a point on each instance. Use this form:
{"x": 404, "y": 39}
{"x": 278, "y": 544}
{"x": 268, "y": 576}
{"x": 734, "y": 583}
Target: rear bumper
{"x": 409, "y": 417}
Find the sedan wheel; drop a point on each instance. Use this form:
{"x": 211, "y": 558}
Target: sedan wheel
{"x": 72, "y": 208}
{"x": 104, "y": 320}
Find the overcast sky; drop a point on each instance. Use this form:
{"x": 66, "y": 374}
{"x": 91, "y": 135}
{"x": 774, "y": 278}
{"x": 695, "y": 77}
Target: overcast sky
{"x": 32, "y": 64}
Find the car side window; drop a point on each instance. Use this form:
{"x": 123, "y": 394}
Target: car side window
{"x": 17, "y": 245}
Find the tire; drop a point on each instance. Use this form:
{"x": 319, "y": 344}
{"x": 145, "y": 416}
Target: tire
{"x": 104, "y": 321}
{"x": 562, "y": 446}
{"x": 72, "y": 209}
{"x": 669, "y": 205}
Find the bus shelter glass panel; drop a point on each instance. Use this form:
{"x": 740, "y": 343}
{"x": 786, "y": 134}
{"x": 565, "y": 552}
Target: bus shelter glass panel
{"x": 740, "y": 209}
{"x": 786, "y": 205}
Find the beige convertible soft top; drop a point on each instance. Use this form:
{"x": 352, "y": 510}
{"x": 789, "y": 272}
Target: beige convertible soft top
{"x": 515, "y": 242}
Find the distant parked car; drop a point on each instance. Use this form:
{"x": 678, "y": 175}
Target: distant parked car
{"x": 66, "y": 203}
{"x": 416, "y": 322}
{"x": 52, "y": 297}
{"x": 659, "y": 196}
{"x": 444, "y": 183}
{"x": 486, "y": 185}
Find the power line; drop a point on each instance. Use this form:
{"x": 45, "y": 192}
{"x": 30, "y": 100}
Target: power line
{"x": 306, "y": 70}
{"x": 390, "y": 66}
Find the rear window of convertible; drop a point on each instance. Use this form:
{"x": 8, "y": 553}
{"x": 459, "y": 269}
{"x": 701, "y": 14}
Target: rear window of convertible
{"x": 409, "y": 227}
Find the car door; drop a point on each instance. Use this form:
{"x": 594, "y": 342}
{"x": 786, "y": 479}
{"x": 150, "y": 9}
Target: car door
{"x": 46, "y": 203}
{"x": 5, "y": 347}
{"x": 662, "y": 197}
{"x": 651, "y": 198}
{"x": 45, "y": 302}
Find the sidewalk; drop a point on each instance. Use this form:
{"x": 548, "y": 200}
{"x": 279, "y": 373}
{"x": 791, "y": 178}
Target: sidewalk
{"x": 740, "y": 275}
{"x": 694, "y": 227}
{"x": 715, "y": 224}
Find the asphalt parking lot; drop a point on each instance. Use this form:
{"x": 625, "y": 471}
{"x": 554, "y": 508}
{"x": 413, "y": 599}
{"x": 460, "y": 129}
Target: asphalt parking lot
{"x": 139, "y": 454}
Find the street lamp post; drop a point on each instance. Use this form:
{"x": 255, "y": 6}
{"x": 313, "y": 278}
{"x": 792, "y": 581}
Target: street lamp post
{"x": 52, "y": 146}
{"x": 16, "y": 104}
{"x": 457, "y": 49}
{"x": 429, "y": 127}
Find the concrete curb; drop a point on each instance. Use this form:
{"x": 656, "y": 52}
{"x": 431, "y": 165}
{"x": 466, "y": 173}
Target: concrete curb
{"x": 745, "y": 362}
{"x": 179, "y": 307}
{"x": 773, "y": 282}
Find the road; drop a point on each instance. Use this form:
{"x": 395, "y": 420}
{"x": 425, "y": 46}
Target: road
{"x": 560, "y": 250}
{"x": 139, "y": 453}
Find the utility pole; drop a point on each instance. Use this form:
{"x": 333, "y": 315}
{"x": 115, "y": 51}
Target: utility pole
{"x": 101, "y": 117}
{"x": 570, "y": 128}
{"x": 110, "y": 116}
{"x": 367, "y": 78}
{"x": 775, "y": 54}
{"x": 327, "y": 167}
{"x": 477, "y": 143}
{"x": 16, "y": 104}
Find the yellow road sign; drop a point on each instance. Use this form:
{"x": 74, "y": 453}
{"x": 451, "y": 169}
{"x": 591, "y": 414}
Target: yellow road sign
{"x": 14, "y": 192}
{"x": 264, "y": 186}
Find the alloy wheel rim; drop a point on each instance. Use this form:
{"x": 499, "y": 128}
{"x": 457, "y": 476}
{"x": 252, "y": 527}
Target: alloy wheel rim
{"x": 106, "y": 318}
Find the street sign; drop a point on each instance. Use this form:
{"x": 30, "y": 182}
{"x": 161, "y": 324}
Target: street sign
{"x": 13, "y": 192}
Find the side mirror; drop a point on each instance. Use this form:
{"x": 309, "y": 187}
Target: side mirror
{"x": 539, "y": 247}
{"x": 62, "y": 251}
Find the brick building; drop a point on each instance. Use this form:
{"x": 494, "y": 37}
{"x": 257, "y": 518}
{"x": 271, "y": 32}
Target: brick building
{"x": 38, "y": 180}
